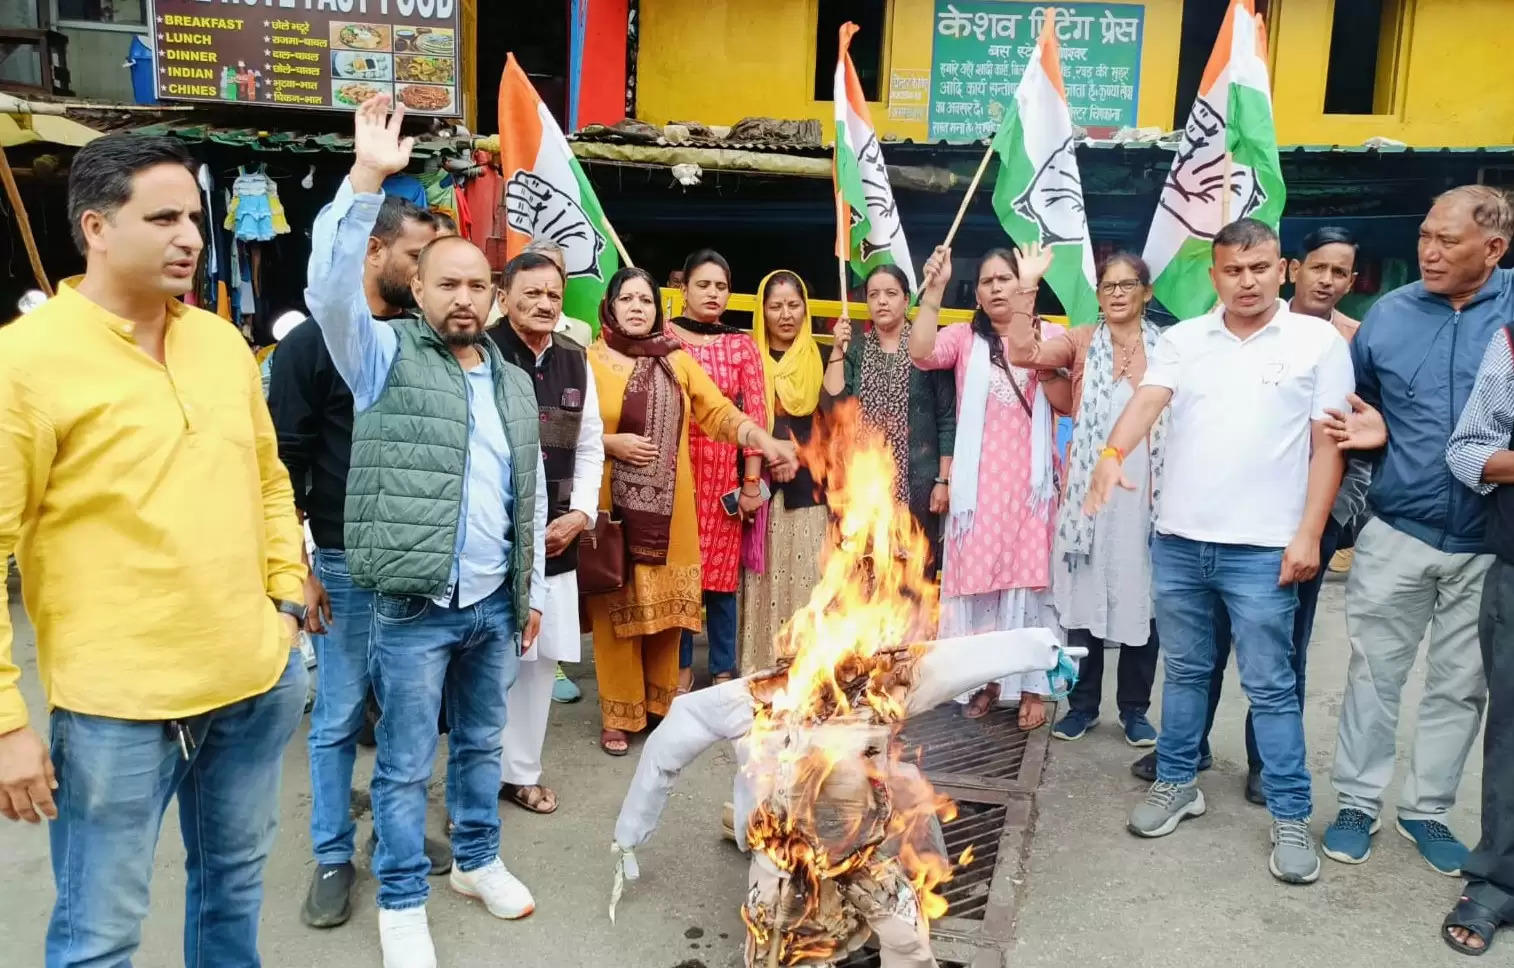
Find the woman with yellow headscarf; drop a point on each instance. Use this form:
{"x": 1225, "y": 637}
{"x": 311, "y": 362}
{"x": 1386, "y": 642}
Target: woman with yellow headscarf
{"x": 782, "y": 545}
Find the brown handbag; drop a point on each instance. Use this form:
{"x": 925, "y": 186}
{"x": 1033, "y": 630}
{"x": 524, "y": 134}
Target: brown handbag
{"x": 602, "y": 557}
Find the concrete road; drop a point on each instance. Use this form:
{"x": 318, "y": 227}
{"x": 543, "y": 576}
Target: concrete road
{"x": 1095, "y": 895}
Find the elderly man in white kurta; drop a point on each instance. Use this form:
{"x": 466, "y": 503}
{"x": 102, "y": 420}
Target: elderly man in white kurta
{"x": 573, "y": 455}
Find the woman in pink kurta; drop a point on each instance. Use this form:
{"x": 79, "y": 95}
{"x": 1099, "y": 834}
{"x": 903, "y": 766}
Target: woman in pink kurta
{"x": 730, "y": 359}
{"x": 997, "y": 572}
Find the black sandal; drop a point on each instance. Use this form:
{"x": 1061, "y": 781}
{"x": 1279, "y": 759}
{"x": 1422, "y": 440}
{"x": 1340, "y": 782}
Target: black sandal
{"x": 1478, "y": 919}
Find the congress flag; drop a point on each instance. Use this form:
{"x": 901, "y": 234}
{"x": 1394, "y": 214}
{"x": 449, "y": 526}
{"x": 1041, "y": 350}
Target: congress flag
{"x": 1038, "y": 195}
{"x": 547, "y": 196}
{"x": 1233, "y": 113}
{"x": 868, "y": 232}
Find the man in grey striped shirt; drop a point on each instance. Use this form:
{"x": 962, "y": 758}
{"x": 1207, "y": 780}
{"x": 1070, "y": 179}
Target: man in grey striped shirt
{"x": 1481, "y": 455}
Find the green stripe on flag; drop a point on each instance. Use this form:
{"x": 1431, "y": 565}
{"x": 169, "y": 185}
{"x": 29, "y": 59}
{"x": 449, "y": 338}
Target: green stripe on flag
{"x": 1016, "y": 172}
{"x": 1184, "y": 287}
{"x": 1251, "y": 139}
{"x": 583, "y": 293}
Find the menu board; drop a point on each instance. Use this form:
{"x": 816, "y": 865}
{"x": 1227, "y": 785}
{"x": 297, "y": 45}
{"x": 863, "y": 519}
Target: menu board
{"x": 329, "y": 55}
{"x": 981, "y": 48}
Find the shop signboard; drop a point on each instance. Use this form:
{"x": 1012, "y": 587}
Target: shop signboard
{"x": 980, "y": 49}
{"x": 329, "y": 55}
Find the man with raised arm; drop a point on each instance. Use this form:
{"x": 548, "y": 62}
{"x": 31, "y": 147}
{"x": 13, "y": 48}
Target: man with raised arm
{"x": 445, "y": 521}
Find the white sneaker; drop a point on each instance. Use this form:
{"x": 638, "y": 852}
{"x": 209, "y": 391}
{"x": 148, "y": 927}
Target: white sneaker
{"x": 405, "y": 937}
{"x": 501, "y": 891}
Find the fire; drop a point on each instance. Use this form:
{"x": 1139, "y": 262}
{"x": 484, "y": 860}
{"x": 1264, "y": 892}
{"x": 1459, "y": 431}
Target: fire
{"x": 834, "y": 803}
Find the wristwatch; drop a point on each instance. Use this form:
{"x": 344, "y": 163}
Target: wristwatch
{"x": 292, "y": 609}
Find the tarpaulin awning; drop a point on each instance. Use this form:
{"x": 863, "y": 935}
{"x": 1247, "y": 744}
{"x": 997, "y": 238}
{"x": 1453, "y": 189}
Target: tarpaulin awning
{"x": 24, "y": 129}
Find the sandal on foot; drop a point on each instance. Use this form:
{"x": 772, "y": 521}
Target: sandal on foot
{"x": 1479, "y": 920}
{"x": 535, "y": 797}
{"x": 614, "y": 742}
{"x": 1020, "y": 715}
{"x": 978, "y": 706}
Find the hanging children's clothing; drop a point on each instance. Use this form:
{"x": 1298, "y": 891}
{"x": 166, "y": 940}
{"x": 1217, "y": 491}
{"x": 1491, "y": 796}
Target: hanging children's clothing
{"x": 256, "y": 214}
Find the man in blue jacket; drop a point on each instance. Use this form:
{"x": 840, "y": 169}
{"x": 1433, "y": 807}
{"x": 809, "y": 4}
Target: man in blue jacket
{"x": 1420, "y": 562}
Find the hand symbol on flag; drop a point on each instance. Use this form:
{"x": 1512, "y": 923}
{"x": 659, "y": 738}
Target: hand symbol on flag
{"x": 536, "y": 207}
{"x": 1197, "y": 178}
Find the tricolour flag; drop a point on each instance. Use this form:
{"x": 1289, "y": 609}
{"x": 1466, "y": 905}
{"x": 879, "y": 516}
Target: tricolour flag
{"x": 874, "y": 235}
{"x": 1039, "y": 194}
{"x": 547, "y": 196}
{"x": 1233, "y": 113}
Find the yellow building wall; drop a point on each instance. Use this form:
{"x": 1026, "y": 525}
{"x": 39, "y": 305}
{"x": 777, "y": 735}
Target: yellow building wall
{"x": 1450, "y": 88}
{"x": 718, "y": 61}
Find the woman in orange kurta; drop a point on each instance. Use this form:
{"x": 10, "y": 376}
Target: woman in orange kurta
{"x": 649, "y": 390}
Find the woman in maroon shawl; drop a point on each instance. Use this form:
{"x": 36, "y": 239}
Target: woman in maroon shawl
{"x": 649, "y": 390}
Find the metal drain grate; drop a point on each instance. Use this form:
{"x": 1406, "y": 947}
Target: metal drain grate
{"x": 867, "y": 958}
{"x": 979, "y": 826}
{"x": 991, "y": 748}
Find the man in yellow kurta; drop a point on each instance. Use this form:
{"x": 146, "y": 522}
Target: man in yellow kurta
{"x": 141, "y": 491}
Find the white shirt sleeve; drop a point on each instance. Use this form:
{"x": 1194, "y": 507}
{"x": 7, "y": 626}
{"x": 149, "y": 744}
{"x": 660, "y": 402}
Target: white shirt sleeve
{"x": 589, "y": 455}
{"x": 1334, "y": 378}
{"x": 1165, "y": 363}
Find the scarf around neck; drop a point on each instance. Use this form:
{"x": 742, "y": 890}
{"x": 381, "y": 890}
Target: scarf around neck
{"x": 1096, "y": 418}
{"x": 716, "y": 328}
{"x": 982, "y": 377}
{"x": 642, "y": 497}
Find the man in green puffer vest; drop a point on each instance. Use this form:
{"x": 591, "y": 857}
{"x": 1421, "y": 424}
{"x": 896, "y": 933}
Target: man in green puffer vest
{"x": 445, "y": 521}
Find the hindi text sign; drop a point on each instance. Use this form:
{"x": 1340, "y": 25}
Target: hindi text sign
{"x": 980, "y": 49}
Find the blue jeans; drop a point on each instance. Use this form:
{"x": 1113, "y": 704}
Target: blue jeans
{"x": 115, "y": 778}
{"x": 341, "y": 689}
{"x": 720, "y": 629}
{"x": 420, "y": 650}
{"x": 1303, "y": 630}
{"x": 1189, "y": 581}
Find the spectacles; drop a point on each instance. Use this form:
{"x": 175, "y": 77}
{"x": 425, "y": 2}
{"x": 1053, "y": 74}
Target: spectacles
{"x": 1124, "y": 285}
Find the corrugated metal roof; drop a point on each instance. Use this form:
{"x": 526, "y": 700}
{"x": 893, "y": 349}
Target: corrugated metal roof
{"x": 294, "y": 142}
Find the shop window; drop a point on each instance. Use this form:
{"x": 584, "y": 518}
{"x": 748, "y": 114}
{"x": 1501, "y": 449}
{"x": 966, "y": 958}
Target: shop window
{"x": 867, "y": 46}
{"x": 103, "y": 11}
{"x": 1362, "y": 72}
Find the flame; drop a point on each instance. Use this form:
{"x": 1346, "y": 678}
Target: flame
{"x": 830, "y": 788}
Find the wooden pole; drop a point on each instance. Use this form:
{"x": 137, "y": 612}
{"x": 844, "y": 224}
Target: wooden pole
{"x": 843, "y": 245}
{"x": 13, "y": 194}
{"x": 972, "y": 188}
{"x": 625, "y": 256}
{"x": 1225, "y": 193}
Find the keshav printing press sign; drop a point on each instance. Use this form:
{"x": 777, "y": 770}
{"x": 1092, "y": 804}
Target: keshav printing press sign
{"x": 319, "y": 54}
{"x": 980, "y": 49}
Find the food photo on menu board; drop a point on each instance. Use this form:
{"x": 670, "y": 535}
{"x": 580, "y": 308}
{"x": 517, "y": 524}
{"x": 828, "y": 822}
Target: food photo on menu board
{"x": 308, "y": 58}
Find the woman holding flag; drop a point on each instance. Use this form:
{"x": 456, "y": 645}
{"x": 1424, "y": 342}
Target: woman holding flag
{"x": 731, "y": 360}
{"x": 914, "y": 409}
{"x": 781, "y": 548}
{"x": 651, "y": 394}
{"x": 1002, "y": 491}
{"x": 1101, "y": 566}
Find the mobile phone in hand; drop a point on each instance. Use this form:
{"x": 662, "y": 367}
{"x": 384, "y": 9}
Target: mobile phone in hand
{"x": 729, "y": 500}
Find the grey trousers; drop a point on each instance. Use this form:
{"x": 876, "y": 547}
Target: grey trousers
{"x": 1399, "y": 586}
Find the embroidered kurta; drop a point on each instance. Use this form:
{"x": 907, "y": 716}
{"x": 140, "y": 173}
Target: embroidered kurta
{"x": 732, "y": 363}
{"x": 660, "y": 597}
{"x": 1009, "y": 545}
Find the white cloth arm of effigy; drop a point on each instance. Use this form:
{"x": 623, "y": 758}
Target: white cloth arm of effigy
{"x": 957, "y": 665}
{"x": 695, "y": 722}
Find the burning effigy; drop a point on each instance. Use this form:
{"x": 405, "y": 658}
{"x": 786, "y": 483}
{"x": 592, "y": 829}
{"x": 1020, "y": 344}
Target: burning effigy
{"x": 844, "y": 834}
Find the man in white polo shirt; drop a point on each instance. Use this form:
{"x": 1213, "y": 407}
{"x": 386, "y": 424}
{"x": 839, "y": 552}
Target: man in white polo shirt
{"x": 1247, "y": 484}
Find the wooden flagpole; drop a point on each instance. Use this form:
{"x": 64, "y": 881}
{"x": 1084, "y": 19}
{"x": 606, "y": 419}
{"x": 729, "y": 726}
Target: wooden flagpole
{"x": 29, "y": 241}
{"x": 972, "y": 189}
{"x": 1225, "y": 193}
{"x": 843, "y": 249}
{"x": 625, "y": 257}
